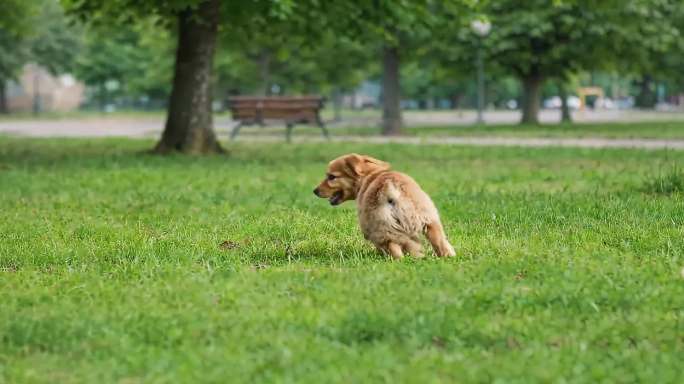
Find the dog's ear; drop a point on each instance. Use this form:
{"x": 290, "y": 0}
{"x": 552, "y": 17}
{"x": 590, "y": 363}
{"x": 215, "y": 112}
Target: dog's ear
{"x": 375, "y": 164}
{"x": 353, "y": 163}
{"x": 362, "y": 165}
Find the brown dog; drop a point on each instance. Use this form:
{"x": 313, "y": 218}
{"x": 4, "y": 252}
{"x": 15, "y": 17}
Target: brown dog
{"x": 393, "y": 210}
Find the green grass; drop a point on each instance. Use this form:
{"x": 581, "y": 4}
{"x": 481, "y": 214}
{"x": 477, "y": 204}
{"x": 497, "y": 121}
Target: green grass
{"x": 668, "y": 182}
{"x": 654, "y": 130}
{"x": 650, "y": 130}
{"x": 112, "y": 268}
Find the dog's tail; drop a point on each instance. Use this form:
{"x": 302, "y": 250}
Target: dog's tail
{"x": 400, "y": 209}
{"x": 393, "y": 194}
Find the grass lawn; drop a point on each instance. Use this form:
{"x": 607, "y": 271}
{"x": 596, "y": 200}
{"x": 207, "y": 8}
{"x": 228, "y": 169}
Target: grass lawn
{"x": 648, "y": 130}
{"x": 117, "y": 266}
{"x": 653, "y": 130}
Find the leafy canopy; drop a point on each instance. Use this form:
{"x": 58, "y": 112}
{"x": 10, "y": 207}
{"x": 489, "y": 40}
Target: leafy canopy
{"x": 554, "y": 38}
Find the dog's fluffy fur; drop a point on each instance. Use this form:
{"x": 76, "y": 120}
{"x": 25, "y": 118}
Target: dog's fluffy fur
{"x": 393, "y": 210}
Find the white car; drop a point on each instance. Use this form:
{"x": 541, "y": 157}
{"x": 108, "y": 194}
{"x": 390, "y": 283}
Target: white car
{"x": 555, "y": 102}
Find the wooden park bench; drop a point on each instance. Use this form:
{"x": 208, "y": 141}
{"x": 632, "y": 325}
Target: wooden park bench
{"x": 251, "y": 110}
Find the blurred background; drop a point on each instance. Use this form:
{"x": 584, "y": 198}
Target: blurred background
{"x": 438, "y": 63}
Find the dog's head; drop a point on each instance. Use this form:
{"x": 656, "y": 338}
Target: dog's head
{"x": 343, "y": 175}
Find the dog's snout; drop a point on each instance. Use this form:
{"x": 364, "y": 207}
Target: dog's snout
{"x": 316, "y": 192}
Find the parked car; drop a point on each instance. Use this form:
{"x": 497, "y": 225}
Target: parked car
{"x": 555, "y": 102}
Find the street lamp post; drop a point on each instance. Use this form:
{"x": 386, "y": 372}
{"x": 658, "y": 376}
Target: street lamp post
{"x": 481, "y": 29}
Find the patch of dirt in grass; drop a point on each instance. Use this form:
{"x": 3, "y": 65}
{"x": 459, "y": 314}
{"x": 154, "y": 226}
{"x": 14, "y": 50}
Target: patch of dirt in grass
{"x": 229, "y": 244}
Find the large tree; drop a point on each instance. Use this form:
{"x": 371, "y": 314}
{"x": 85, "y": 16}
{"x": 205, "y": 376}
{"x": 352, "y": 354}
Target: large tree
{"x": 397, "y": 29}
{"x": 401, "y": 27}
{"x": 657, "y": 55}
{"x": 539, "y": 40}
{"x": 189, "y": 123}
{"x": 406, "y": 28}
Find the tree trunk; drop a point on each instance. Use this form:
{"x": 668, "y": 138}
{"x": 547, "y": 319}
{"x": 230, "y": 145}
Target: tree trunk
{"x": 265, "y": 73}
{"x": 456, "y": 101}
{"x": 102, "y": 96}
{"x": 391, "y": 92}
{"x": 646, "y": 98}
{"x": 565, "y": 108}
{"x": 337, "y": 105}
{"x": 531, "y": 99}
{"x": 4, "y": 109}
{"x": 189, "y": 121}
{"x": 37, "y": 101}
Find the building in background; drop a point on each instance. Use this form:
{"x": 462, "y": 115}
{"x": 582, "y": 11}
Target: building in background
{"x": 37, "y": 90}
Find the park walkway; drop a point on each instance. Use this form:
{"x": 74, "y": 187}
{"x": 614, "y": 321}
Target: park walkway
{"x": 151, "y": 128}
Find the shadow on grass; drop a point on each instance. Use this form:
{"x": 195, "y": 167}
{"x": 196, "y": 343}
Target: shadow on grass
{"x": 283, "y": 253}
{"x": 418, "y": 326}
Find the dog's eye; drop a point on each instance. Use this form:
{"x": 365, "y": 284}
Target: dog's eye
{"x": 331, "y": 177}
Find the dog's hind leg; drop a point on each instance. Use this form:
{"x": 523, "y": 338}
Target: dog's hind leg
{"x": 436, "y": 236}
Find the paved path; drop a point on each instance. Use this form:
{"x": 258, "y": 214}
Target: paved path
{"x": 86, "y": 127}
{"x": 546, "y": 116}
{"x": 151, "y": 128}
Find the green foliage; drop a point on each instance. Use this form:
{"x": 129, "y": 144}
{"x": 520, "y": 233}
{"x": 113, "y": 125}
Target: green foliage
{"x": 323, "y": 46}
{"x": 545, "y": 38}
{"x": 309, "y": 48}
{"x": 432, "y": 77}
{"x": 649, "y": 36}
{"x": 144, "y": 46}
{"x": 318, "y": 65}
{"x": 125, "y": 12}
{"x": 13, "y": 55}
{"x": 661, "y": 60}
{"x": 554, "y": 39}
{"x": 388, "y": 22}
{"x": 155, "y": 64}
{"x": 14, "y": 15}
{"x": 123, "y": 267}
{"x": 56, "y": 41}
{"x": 143, "y": 64}
{"x": 36, "y": 31}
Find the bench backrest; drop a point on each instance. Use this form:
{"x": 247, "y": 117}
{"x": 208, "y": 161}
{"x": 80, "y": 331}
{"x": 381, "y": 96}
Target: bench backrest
{"x": 256, "y": 109}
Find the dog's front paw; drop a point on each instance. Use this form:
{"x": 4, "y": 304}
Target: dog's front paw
{"x": 448, "y": 251}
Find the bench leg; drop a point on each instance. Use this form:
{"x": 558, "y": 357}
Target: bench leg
{"x": 235, "y": 131}
{"x": 288, "y": 132}
{"x": 321, "y": 124}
